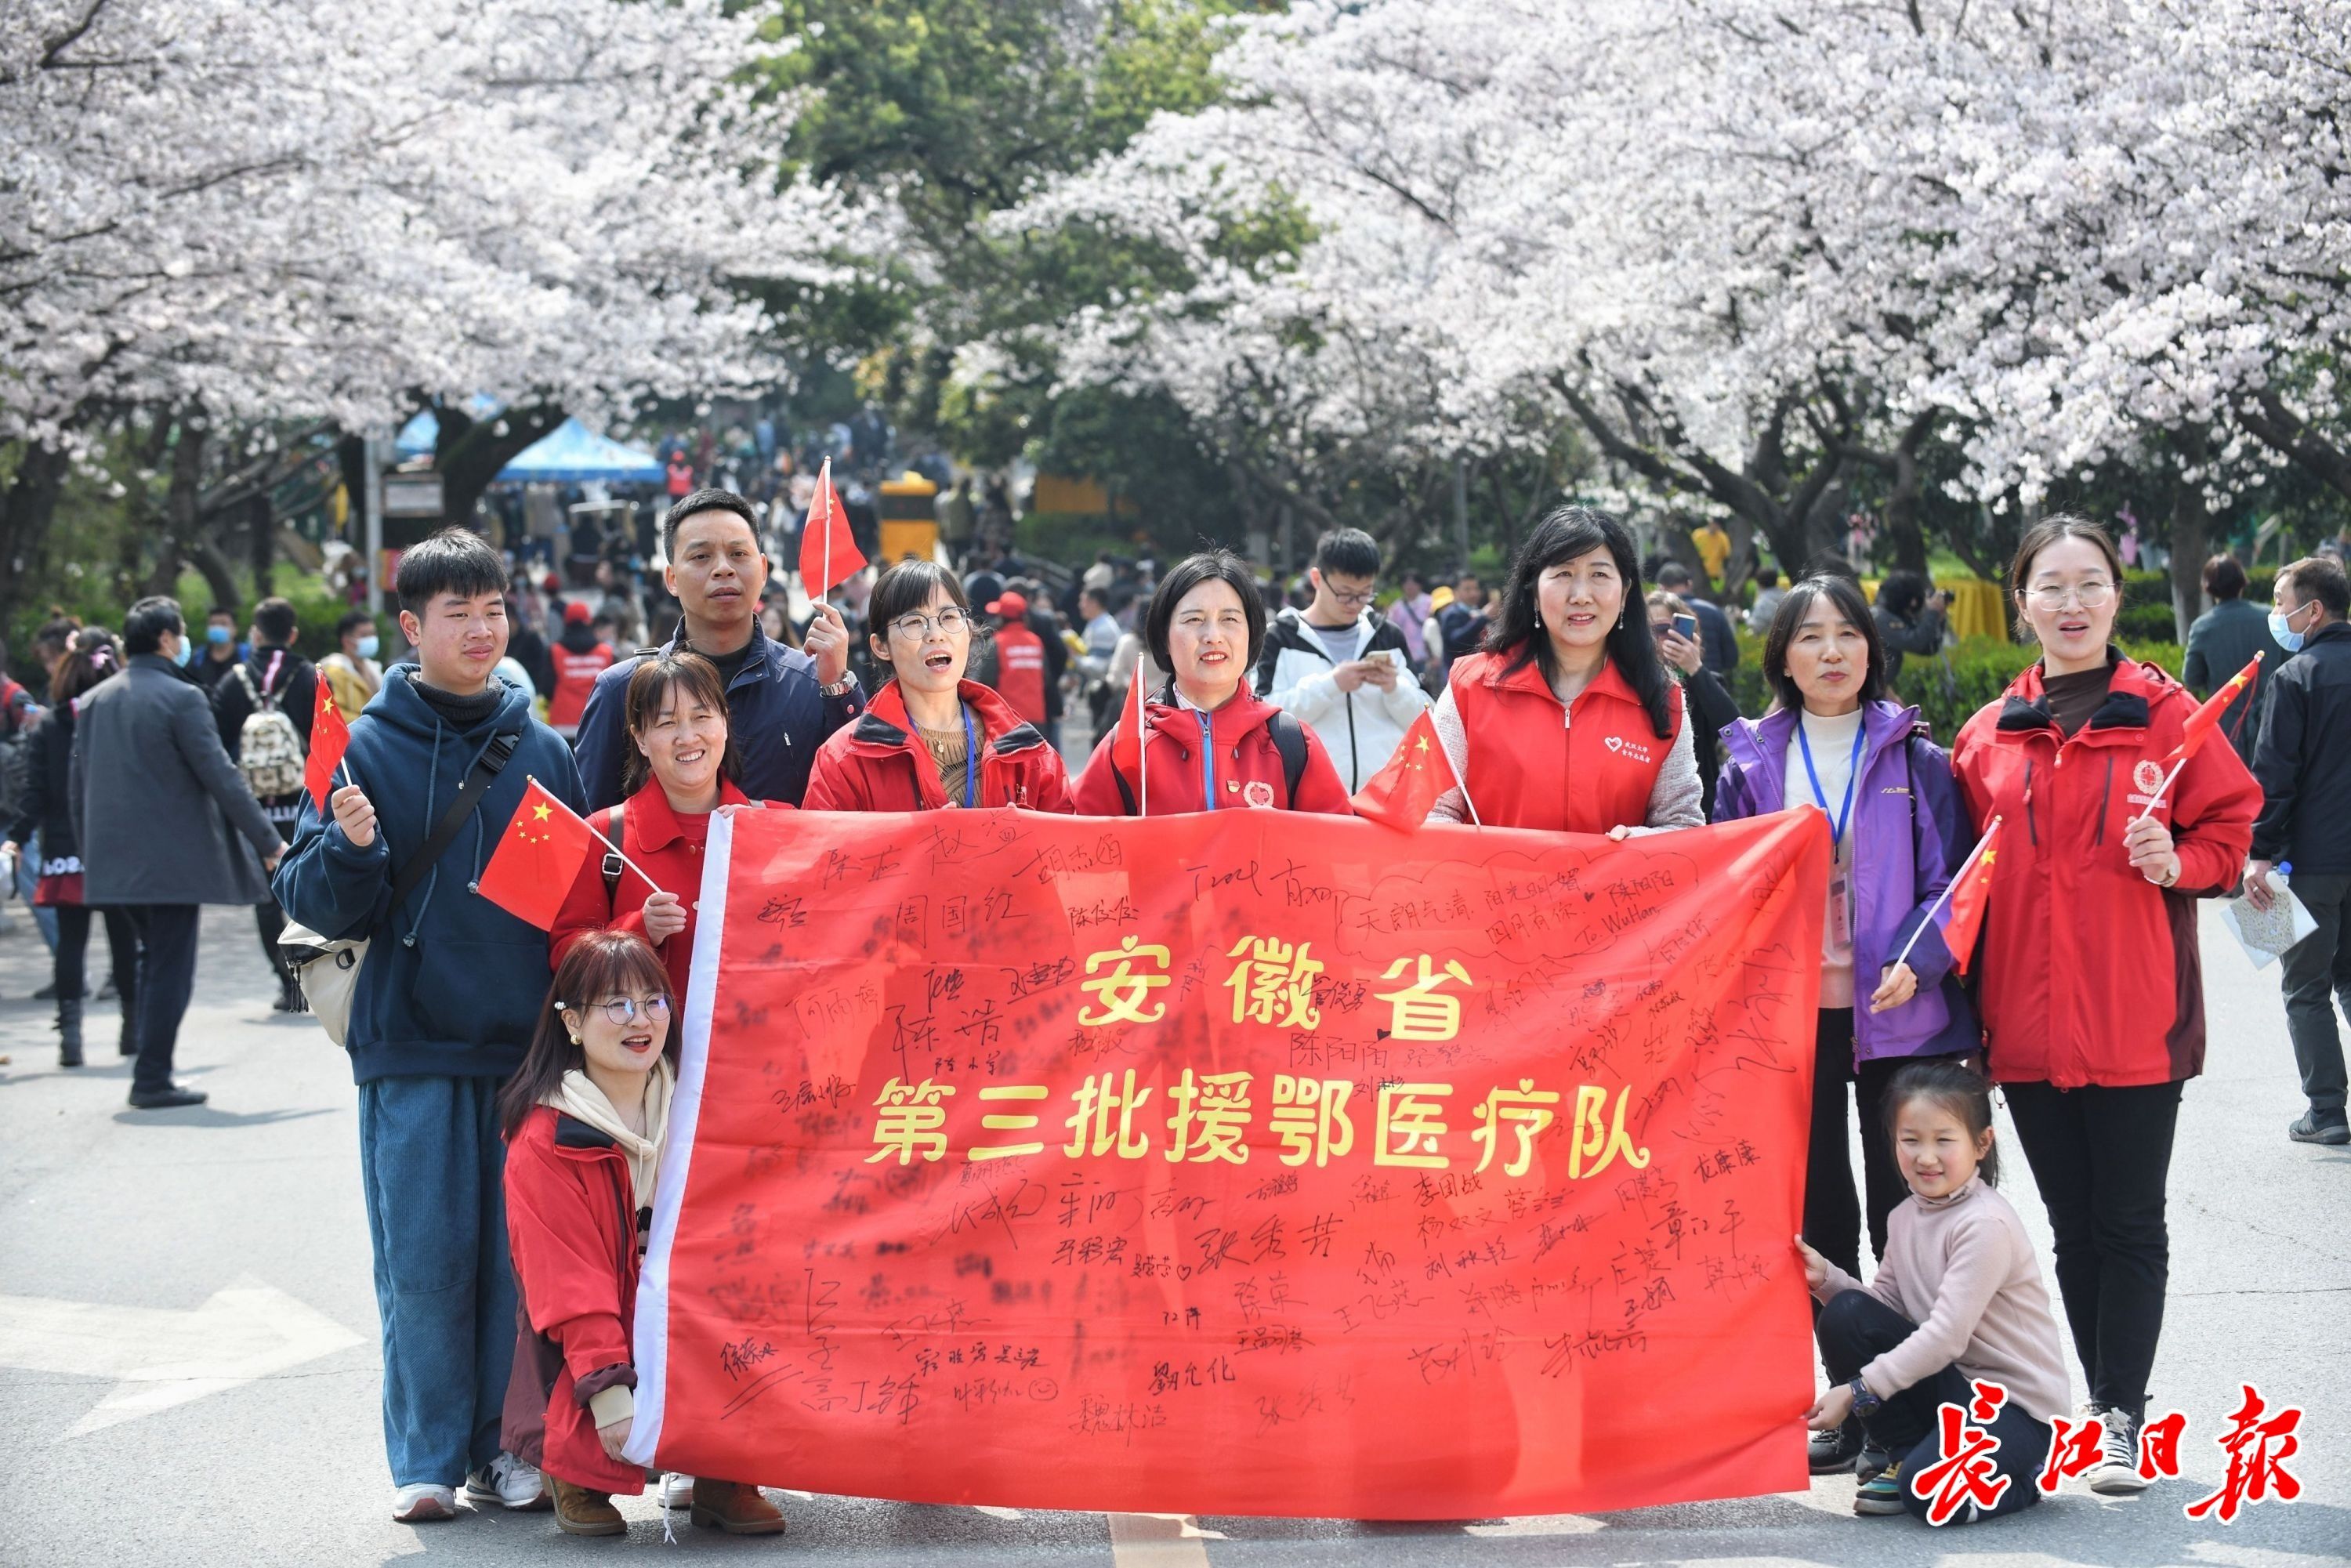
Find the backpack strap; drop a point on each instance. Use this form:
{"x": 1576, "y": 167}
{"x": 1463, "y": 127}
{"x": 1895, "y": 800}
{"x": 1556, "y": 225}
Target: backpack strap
{"x": 1289, "y": 739}
{"x": 491, "y": 763}
{"x": 614, "y": 866}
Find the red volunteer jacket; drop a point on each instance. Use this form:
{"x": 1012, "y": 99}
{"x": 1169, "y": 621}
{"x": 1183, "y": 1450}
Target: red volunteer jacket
{"x": 1020, "y": 669}
{"x": 874, "y": 765}
{"x": 668, "y": 846}
{"x": 1233, "y": 762}
{"x": 572, "y": 1225}
{"x": 2090, "y": 972}
{"x": 574, "y": 677}
{"x": 1535, "y": 762}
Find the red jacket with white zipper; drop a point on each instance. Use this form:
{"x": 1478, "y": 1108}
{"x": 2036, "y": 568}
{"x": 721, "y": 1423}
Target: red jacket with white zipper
{"x": 2090, "y": 973}
{"x": 572, "y": 1225}
{"x": 874, "y": 766}
{"x": 1233, "y": 761}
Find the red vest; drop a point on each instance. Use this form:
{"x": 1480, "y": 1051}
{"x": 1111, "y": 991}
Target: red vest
{"x": 1020, "y": 669}
{"x": 1533, "y": 763}
{"x": 574, "y": 677}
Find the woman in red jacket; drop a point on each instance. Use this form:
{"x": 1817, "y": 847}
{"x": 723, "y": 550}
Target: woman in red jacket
{"x": 584, "y": 1118}
{"x": 2089, "y": 986}
{"x": 931, "y": 739}
{"x": 680, "y": 767}
{"x": 1567, "y": 720}
{"x": 1210, "y": 744}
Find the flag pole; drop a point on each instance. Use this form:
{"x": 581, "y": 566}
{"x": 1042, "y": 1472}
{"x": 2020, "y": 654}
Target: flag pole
{"x": 824, "y": 490}
{"x": 1965, "y": 870}
{"x": 1143, "y": 763}
{"x": 2241, "y": 681}
{"x": 2161, "y": 790}
{"x": 621, "y": 854}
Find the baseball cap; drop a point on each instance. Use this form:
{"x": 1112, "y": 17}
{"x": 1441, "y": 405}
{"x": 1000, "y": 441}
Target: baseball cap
{"x": 1011, "y": 606}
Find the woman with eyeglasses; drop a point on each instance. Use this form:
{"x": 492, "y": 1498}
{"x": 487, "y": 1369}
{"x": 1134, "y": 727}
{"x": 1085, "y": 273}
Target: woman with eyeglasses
{"x": 584, "y": 1117}
{"x": 2092, "y": 998}
{"x": 681, "y": 765}
{"x": 931, "y": 740}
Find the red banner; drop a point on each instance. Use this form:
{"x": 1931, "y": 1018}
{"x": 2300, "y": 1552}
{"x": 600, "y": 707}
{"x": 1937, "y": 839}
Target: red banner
{"x": 1241, "y": 1162}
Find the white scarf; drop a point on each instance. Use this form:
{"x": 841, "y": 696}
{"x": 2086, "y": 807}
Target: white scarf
{"x": 578, "y": 1097}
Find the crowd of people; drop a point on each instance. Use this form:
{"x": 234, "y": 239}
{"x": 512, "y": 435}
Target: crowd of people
{"x": 514, "y": 1083}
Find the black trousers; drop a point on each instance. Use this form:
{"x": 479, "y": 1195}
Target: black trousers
{"x": 1854, "y": 1329}
{"x": 270, "y": 920}
{"x": 1833, "y": 1211}
{"x": 69, "y": 966}
{"x": 167, "y": 975}
{"x": 2101, "y": 1159}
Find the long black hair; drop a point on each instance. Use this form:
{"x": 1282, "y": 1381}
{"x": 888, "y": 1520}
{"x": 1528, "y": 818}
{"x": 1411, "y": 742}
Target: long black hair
{"x": 1567, "y": 533}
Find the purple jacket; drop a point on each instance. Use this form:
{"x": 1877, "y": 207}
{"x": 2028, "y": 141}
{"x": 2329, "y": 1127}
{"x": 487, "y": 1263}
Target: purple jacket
{"x": 1909, "y": 831}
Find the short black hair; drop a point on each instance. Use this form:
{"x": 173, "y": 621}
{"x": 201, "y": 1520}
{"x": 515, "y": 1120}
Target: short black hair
{"x": 144, "y": 627}
{"x": 2320, "y": 578}
{"x": 2224, "y": 577}
{"x": 1208, "y": 566}
{"x": 709, "y": 499}
{"x": 276, "y": 620}
{"x": 1846, "y": 595}
{"x": 351, "y": 621}
{"x": 1767, "y": 577}
{"x": 454, "y": 560}
{"x": 1672, "y": 574}
{"x": 1349, "y": 552}
{"x": 1903, "y": 593}
{"x": 223, "y": 611}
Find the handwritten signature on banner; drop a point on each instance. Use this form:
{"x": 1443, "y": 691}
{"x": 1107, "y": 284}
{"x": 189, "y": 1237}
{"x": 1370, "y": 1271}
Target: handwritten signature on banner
{"x": 1193, "y": 1141}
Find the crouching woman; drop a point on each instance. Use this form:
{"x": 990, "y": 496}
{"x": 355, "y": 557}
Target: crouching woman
{"x": 584, "y": 1119}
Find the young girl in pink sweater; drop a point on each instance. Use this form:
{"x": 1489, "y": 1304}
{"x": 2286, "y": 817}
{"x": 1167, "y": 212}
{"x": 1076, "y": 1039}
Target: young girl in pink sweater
{"x": 1957, "y": 1297}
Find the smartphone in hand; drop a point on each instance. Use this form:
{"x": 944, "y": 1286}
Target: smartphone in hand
{"x": 1686, "y": 626}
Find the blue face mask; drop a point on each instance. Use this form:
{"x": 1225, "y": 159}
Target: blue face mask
{"x": 187, "y": 652}
{"x": 219, "y": 635}
{"x": 369, "y": 646}
{"x": 2280, "y": 623}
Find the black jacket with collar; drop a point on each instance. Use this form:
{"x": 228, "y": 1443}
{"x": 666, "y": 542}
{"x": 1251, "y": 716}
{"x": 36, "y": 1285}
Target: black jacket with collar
{"x": 2303, "y": 757}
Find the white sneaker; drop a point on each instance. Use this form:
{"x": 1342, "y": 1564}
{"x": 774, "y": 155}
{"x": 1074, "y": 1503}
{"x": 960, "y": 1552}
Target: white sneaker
{"x": 676, "y": 1491}
{"x": 424, "y": 1503}
{"x": 2117, "y": 1472}
{"x": 508, "y": 1481}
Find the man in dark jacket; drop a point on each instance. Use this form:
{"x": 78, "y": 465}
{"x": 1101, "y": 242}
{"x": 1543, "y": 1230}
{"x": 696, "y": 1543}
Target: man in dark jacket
{"x": 781, "y": 703}
{"x": 1717, "y": 644}
{"x": 275, "y": 679}
{"x": 444, "y": 1007}
{"x": 2304, "y": 763}
{"x": 158, "y": 807}
{"x": 2223, "y": 640}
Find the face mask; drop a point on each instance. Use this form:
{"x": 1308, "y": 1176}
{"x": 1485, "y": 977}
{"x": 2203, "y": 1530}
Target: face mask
{"x": 217, "y": 635}
{"x": 187, "y": 651}
{"x": 368, "y": 646}
{"x": 2280, "y": 625}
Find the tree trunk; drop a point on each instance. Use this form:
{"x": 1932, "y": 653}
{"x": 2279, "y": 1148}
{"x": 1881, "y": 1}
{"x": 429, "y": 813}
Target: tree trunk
{"x": 2189, "y": 517}
{"x": 468, "y": 454}
{"x": 1902, "y": 511}
{"x": 180, "y": 504}
{"x": 26, "y": 510}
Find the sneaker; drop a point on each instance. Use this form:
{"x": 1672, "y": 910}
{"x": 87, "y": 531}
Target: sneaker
{"x": 170, "y": 1097}
{"x": 424, "y": 1503}
{"x": 675, "y": 1491}
{"x": 1881, "y": 1493}
{"x": 2319, "y": 1128}
{"x": 2117, "y": 1472}
{"x": 509, "y": 1482}
{"x": 106, "y": 991}
{"x": 1873, "y": 1462}
{"x": 1830, "y": 1453}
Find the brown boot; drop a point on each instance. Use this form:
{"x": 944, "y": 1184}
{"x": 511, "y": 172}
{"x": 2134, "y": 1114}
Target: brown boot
{"x": 736, "y": 1507}
{"x": 579, "y": 1511}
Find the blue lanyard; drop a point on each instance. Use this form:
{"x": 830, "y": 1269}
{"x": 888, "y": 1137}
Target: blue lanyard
{"x": 970, "y": 763}
{"x": 1837, "y": 828}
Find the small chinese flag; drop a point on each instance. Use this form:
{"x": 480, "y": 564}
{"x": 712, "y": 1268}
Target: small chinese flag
{"x": 829, "y": 552}
{"x": 536, "y": 858}
{"x": 2207, "y": 718}
{"x": 1402, "y": 794}
{"x": 330, "y": 739}
{"x": 1968, "y": 901}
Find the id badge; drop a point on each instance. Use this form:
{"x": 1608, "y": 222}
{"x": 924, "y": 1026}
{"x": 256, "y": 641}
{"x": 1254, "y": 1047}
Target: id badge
{"x": 1840, "y": 927}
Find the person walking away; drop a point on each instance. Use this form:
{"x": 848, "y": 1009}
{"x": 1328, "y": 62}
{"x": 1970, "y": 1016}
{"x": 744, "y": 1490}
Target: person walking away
{"x": 1210, "y": 745}
{"x": 19, "y": 714}
{"x": 444, "y": 1009}
{"x": 934, "y": 738}
{"x": 1711, "y": 706}
{"x": 265, "y": 711}
{"x": 579, "y": 655}
{"x": 1717, "y": 644}
{"x": 1897, "y": 832}
{"x": 1568, "y": 721}
{"x": 1020, "y": 674}
{"x": 2090, "y": 984}
{"x": 1338, "y": 666}
{"x": 155, "y": 802}
{"x": 1768, "y": 595}
{"x": 351, "y": 671}
{"x": 1713, "y": 546}
{"x": 1410, "y": 613}
{"x": 1910, "y": 621}
{"x": 1958, "y": 1299}
{"x": 2304, "y": 763}
{"x": 583, "y": 1121}
{"x": 782, "y": 702}
{"x": 2222, "y": 641}
{"x": 1101, "y": 634}
{"x": 46, "y": 812}
{"x": 1461, "y": 623}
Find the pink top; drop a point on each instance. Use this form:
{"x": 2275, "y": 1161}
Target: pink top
{"x": 1963, "y": 1270}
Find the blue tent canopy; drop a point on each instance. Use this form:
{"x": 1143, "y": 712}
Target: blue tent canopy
{"x": 572, "y": 454}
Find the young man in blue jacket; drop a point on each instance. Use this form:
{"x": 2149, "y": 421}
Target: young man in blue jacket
{"x": 781, "y": 703}
{"x": 443, "y": 1011}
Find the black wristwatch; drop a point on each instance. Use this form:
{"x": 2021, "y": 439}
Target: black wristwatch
{"x": 1865, "y": 1403}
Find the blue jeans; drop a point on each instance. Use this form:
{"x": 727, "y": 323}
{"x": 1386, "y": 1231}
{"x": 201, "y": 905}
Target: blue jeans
{"x": 433, "y": 1167}
{"x": 28, "y": 874}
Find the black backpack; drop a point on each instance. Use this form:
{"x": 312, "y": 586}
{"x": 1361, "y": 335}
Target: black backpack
{"x": 1289, "y": 738}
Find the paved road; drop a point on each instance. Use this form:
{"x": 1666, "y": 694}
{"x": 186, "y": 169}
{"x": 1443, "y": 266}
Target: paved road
{"x": 228, "y": 1243}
